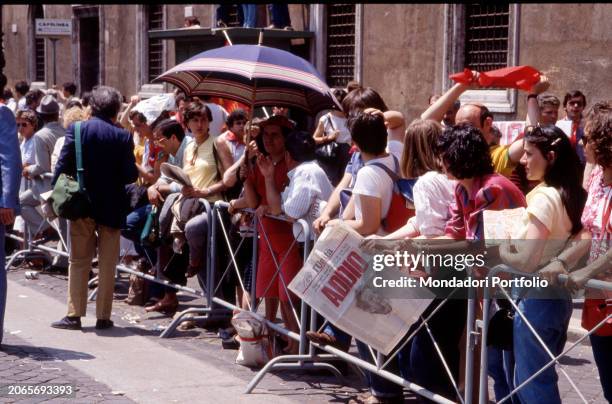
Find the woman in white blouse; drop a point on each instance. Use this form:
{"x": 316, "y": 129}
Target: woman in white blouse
{"x": 433, "y": 191}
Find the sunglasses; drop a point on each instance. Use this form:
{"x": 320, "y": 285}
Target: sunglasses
{"x": 23, "y": 125}
{"x": 531, "y": 128}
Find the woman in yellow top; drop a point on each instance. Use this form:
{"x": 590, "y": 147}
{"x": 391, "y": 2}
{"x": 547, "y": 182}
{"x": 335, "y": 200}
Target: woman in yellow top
{"x": 204, "y": 165}
{"x": 553, "y": 215}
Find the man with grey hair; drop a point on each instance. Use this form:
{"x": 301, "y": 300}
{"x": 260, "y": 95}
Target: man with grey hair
{"x": 109, "y": 165}
{"x": 549, "y": 109}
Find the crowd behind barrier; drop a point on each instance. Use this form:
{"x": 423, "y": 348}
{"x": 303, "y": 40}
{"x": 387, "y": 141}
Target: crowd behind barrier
{"x": 308, "y": 358}
{"x": 240, "y": 209}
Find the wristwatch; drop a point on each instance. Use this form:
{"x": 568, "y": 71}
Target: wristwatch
{"x": 532, "y": 96}
{"x": 561, "y": 261}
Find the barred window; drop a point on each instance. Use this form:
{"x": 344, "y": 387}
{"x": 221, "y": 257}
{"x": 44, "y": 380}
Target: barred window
{"x": 340, "y": 44}
{"x": 155, "y": 20}
{"x": 486, "y": 36}
{"x": 39, "y": 47}
{"x": 233, "y": 16}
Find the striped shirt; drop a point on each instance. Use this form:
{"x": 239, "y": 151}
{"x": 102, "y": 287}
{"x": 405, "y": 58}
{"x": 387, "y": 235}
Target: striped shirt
{"x": 306, "y": 195}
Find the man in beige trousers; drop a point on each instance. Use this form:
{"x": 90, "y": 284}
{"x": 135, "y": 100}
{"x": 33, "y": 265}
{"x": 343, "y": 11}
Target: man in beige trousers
{"x": 109, "y": 165}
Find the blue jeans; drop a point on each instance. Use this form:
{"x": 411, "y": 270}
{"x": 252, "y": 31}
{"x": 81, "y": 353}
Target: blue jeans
{"x": 249, "y": 12}
{"x": 550, "y": 319}
{"x": 279, "y": 15}
{"x": 602, "y": 352}
{"x": 342, "y": 337}
{"x": 133, "y": 229}
{"x": 2, "y": 282}
{"x": 501, "y": 363}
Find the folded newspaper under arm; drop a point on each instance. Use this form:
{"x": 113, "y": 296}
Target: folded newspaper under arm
{"x": 500, "y": 225}
{"x": 175, "y": 174}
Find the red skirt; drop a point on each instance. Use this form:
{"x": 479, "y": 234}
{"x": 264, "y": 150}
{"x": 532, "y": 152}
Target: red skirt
{"x": 276, "y": 251}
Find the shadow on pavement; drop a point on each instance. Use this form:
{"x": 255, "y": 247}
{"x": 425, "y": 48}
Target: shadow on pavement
{"x": 44, "y": 353}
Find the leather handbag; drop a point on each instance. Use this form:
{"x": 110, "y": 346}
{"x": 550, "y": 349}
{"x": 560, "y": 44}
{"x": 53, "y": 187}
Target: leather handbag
{"x": 69, "y": 198}
{"x": 327, "y": 151}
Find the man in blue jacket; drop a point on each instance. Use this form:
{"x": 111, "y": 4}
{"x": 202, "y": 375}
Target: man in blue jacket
{"x": 109, "y": 165}
{"x": 10, "y": 178}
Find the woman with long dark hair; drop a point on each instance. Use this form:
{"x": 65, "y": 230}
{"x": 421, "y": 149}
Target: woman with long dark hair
{"x": 553, "y": 214}
{"x": 595, "y": 241}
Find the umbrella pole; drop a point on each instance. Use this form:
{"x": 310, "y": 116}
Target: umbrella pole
{"x": 251, "y": 113}
{"x": 227, "y": 37}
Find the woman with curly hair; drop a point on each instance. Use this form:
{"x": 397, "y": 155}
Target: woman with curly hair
{"x": 552, "y": 217}
{"x": 466, "y": 158}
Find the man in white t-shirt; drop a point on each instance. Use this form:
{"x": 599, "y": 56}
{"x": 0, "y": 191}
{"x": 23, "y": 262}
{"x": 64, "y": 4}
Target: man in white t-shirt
{"x": 308, "y": 189}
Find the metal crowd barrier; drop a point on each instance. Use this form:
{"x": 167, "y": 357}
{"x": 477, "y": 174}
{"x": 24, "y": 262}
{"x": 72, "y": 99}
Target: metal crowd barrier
{"x": 31, "y": 249}
{"x": 483, "y": 377}
{"x": 308, "y": 358}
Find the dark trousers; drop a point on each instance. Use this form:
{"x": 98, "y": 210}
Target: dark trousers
{"x": 602, "y": 352}
{"x": 279, "y": 15}
{"x": 223, "y": 13}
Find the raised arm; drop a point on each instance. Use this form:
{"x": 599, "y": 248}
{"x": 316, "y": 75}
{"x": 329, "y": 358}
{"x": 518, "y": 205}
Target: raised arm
{"x": 436, "y": 110}
{"x": 533, "y": 107}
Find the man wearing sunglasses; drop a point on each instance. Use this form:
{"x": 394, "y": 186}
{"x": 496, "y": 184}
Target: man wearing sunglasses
{"x": 44, "y": 143}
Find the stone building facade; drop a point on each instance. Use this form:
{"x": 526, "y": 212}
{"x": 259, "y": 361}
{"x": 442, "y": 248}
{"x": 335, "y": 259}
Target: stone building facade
{"x": 405, "y": 51}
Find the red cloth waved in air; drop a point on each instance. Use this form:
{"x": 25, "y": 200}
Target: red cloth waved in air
{"x": 521, "y": 77}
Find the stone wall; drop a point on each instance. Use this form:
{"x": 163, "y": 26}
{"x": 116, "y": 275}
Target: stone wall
{"x": 402, "y": 47}
{"x": 402, "y": 53}
{"x": 571, "y": 43}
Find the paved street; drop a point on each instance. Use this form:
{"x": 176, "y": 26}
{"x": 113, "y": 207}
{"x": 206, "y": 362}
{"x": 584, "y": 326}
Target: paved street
{"x": 21, "y": 362}
{"x": 130, "y": 362}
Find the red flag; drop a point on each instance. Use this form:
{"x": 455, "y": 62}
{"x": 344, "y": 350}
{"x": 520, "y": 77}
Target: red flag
{"x": 521, "y": 77}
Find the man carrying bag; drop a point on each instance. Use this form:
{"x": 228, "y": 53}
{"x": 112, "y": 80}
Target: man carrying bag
{"x": 108, "y": 165}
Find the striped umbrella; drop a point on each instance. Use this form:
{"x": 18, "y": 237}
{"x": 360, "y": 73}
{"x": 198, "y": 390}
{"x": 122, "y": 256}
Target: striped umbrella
{"x": 254, "y": 75}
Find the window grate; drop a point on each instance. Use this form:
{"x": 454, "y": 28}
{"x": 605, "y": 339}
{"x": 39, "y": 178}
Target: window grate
{"x": 40, "y": 59}
{"x": 39, "y": 48}
{"x": 340, "y": 44}
{"x": 486, "y": 36}
{"x": 155, "y": 18}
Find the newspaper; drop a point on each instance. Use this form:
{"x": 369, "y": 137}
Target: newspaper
{"x": 336, "y": 281}
{"x": 500, "y": 225}
{"x": 176, "y": 174}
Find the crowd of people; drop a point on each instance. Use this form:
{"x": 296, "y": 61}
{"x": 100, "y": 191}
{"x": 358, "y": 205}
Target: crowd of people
{"x": 343, "y": 170}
